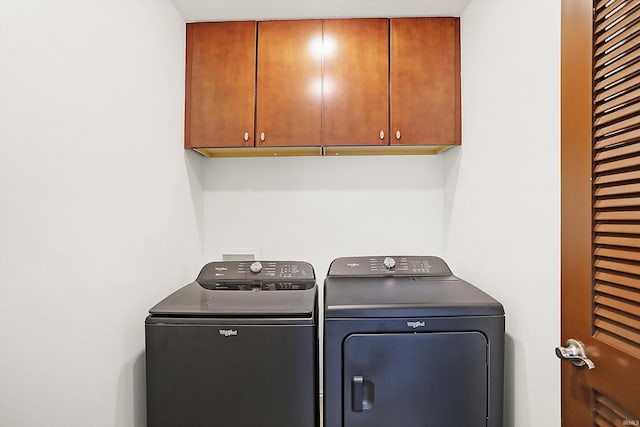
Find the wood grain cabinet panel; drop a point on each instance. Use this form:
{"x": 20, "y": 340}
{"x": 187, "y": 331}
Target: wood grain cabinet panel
{"x": 311, "y": 83}
{"x": 220, "y": 84}
{"x": 425, "y": 81}
{"x": 289, "y": 98}
{"x": 355, "y": 82}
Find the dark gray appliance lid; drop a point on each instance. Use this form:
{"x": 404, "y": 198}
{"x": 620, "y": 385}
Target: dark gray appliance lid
{"x": 194, "y": 300}
{"x": 389, "y": 266}
{"x": 405, "y": 295}
{"x": 232, "y": 289}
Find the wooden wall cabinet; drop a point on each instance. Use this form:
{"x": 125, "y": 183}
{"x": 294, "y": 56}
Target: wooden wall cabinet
{"x": 425, "y": 81}
{"x": 289, "y": 83}
{"x": 220, "y": 84}
{"x": 355, "y": 82}
{"x": 372, "y": 86}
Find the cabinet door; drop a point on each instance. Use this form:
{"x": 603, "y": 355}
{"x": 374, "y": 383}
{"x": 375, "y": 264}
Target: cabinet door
{"x": 425, "y": 81}
{"x": 289, "y": 83}
{"x": 220, "y": 84}
{"x": 355, "y": 82}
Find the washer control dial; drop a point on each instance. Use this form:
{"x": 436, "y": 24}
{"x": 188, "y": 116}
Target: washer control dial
{"x": 256, "y": 267}
{"x": 389, "y": 263}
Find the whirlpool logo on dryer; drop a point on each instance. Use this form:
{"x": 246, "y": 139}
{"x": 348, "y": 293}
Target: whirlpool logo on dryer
{"x": 416, "y": 324}
{"x": 228, "y": 332}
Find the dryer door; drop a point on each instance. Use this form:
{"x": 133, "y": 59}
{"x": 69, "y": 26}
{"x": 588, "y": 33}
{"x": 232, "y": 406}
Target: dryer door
{"x": 432, "y": 379}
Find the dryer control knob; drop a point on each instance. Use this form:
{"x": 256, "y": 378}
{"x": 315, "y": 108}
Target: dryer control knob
{"x": 389, "y": 263}
{"x": 256, "y": 267}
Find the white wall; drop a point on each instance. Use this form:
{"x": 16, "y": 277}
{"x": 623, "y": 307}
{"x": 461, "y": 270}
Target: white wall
{"x": 502, "y": 190}
{"x": 318, "y": 208}
{"x": 100, "y": 208}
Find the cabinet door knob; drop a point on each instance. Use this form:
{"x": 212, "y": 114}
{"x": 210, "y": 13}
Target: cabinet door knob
{"x": 398, "y": 134}
{"x": 382, "y": 134}
{"x": 246, "y": 136}
{"x": 262, "y": 136}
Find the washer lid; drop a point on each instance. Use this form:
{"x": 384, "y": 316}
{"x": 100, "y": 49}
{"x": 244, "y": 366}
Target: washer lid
{"x": 245, "y": 289}
{"x": 194, "y": 300}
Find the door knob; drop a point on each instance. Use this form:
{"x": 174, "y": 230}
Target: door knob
{"x": 262, "y": 136}
{"x": 246, "y": 136}
{"x": 574, "y": 352}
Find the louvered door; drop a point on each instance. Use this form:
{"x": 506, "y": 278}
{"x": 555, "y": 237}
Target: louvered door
{"x": 601, "y": 210}
{"x": 617, "y": 174}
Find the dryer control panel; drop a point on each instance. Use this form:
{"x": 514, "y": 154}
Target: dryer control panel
{"x": 389, "y": 266}
{"x": 257, "y": 275}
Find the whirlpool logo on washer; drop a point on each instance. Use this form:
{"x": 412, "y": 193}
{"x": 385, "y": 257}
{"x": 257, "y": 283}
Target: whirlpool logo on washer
{"x": 228, "y": 332}
{"x": 416, "y": 324}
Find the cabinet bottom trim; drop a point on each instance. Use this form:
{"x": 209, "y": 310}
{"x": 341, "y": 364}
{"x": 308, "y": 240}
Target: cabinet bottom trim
{"x": 385, "y": 150}
{"x": 260, "y": 151}
{"x": 382, "y": 150}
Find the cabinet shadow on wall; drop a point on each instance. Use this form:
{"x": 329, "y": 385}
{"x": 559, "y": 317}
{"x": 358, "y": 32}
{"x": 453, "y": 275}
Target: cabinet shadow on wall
{"x": 368, "y": 173}
{"x": 195, "y": 166}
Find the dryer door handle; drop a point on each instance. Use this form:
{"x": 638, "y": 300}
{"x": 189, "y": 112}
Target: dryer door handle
{"x": 357, "y": 390}
{"x": 362, "y": 394}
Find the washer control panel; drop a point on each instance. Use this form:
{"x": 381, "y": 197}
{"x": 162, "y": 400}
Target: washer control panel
{"x": 389, "y": 266}
{"x": 257, "y": 275}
